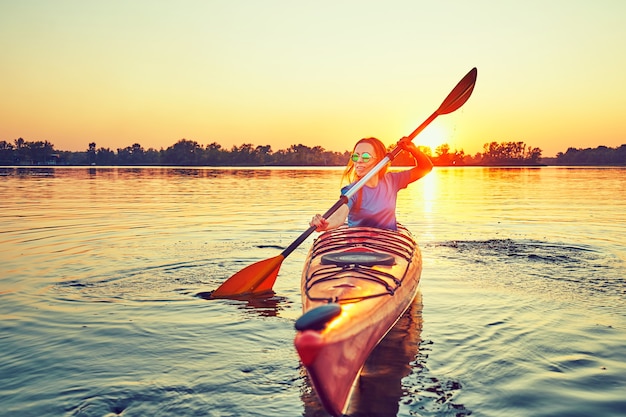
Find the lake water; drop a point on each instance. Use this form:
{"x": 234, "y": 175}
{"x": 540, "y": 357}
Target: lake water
{"x": 521, "y": 311}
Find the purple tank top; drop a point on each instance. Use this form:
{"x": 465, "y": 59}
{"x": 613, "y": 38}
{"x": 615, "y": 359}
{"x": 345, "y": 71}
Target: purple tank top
{"x": 378, "y": 204}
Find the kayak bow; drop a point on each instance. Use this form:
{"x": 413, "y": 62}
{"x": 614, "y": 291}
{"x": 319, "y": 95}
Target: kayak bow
{"x": 357, "y": 282}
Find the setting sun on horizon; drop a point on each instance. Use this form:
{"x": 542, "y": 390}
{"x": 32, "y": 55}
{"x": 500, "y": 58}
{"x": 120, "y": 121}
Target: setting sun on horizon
{"x": 279, "y": 73}
{"x": 434, "y": 136}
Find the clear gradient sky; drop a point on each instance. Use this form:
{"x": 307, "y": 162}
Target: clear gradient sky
{"x": 551, "y": 73}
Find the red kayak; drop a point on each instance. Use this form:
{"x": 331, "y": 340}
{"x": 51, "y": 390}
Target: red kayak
{"x": 356, "y": 283}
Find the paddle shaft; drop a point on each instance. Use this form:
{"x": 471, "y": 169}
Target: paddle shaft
{"x": 342, "y": 200}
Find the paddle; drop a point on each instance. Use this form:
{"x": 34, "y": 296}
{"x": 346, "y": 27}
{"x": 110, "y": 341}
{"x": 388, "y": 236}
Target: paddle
{"x": 260, "y": 277}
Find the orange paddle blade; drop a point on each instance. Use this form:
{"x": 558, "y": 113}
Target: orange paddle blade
{"x": 256, "y": 278}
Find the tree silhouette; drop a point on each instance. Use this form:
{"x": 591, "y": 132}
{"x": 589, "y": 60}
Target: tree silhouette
{"x": 601, "y": 155}
{"x": 191, "y": 153}
{"x": 183, "y": 152}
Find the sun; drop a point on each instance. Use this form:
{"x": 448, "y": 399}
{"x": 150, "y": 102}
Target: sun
{"x": 432, "y": 136}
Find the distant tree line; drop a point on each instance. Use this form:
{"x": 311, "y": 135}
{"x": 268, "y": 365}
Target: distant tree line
{"x": 184, "y": 152}
{"x": 494, "y": 153}
{"x": 191, "y": 153}
{"x": 601, "y": 155}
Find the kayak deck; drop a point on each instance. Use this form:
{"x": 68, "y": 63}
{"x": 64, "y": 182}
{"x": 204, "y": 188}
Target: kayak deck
{"x": 356, "y": 256}
{"x": 356, "y": 284}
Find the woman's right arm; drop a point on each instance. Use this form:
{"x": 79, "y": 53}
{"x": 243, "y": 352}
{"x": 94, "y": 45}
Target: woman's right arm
{"x": 335, "y": 220}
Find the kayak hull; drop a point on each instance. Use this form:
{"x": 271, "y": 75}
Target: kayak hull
{"x": 356, "y": 284}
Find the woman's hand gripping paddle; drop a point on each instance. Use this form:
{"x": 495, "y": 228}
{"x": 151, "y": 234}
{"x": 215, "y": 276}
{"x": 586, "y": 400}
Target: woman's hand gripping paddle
{"x": 260, "y": 277}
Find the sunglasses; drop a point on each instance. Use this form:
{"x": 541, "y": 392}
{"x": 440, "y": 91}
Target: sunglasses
{"x": 365, "y": 156}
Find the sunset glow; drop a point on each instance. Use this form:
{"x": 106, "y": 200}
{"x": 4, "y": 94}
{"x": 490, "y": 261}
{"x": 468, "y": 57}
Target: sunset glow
{"x": 320, "y": 74}
{"x": 433, "y": 136}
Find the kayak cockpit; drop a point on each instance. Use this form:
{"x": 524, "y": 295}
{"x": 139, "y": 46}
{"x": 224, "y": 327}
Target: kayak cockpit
{"x": 355, "y": 264}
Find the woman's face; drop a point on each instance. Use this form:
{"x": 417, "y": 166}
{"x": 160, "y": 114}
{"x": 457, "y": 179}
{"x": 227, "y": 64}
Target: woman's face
{"x": 360, "y": 166}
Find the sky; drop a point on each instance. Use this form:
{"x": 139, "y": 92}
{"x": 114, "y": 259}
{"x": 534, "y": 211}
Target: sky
{"x": 551, "y": 73}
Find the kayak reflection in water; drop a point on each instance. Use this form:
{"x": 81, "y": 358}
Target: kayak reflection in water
{"x": 374, "y": 205}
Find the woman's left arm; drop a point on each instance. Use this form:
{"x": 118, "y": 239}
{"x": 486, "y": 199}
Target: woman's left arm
{"x": 424, "y": 164}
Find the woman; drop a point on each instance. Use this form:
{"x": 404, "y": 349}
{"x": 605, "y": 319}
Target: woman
{"x": 374, "y": 205}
